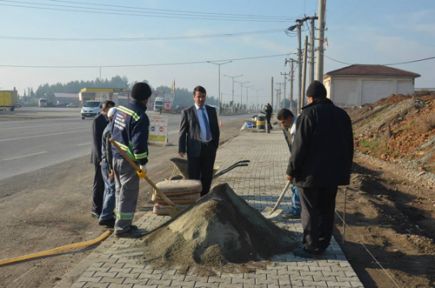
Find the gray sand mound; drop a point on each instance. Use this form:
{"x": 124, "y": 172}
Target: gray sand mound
{"x": 220, "y": 229}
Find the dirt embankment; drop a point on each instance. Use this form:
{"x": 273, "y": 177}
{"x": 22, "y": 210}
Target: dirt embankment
{"x": 390, "y": 208}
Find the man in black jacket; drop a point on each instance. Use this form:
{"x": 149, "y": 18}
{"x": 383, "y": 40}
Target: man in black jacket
{"x": 98, "y": 126}
{"x": 321, "y": 160}
{"x": 199, "y": 137}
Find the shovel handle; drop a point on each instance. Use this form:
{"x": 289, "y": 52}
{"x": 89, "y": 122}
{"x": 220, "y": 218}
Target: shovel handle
{"x": 281, "y": 197}
{"x": 143, "y": 175}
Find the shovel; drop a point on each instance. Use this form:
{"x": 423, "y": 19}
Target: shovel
{"x": 269, "y": 212}
{"x": 145, "y": 177}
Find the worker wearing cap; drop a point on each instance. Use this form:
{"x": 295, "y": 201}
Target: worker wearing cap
{"x": 321, "y": 159}
{"x": 130, "y": 132}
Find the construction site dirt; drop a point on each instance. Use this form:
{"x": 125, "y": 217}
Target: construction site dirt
{"x": 390, "y": 207}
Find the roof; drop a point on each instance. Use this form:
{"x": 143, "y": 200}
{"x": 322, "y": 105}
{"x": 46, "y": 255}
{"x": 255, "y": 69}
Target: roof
{"x": 372, "y": 70}
{"x": 96, "y": 90}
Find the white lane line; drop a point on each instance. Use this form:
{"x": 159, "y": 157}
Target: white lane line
{"x": 42, "y": 135}
{"x": 84, "y": 144}
{"x": 24, "y": 156}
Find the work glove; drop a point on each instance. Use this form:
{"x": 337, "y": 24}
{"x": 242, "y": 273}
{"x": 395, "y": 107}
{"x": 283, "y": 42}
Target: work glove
{"x": 142, "y": 172}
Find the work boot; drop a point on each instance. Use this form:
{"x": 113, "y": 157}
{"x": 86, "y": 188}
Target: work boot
{"x": 132, "y": 232}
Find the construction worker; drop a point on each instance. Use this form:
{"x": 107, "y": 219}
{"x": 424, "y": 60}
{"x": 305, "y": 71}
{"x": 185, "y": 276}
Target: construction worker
{"x": 288, "y": 121}
{"x": 268, "y": 110}
{"x": 98, "y": 126}
{"x": 130, "y": 132}
{"x": 106, "y": 216}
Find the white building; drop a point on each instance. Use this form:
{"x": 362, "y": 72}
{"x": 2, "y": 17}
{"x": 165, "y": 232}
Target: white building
{"x": 358, "y": 84}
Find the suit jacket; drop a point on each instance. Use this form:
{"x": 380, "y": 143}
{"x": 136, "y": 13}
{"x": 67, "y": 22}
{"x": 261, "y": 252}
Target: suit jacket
{"x": 98, "y": 126}
{"x": 190, "y": 139}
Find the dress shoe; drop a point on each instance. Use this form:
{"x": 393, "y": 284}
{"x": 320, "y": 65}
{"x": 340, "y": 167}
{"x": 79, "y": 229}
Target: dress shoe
{"x": 306, "y": 253}
{"x": 109, "y": 223}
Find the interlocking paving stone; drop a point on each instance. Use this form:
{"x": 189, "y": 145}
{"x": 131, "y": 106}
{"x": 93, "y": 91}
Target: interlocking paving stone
{"x": 260, "y": 185}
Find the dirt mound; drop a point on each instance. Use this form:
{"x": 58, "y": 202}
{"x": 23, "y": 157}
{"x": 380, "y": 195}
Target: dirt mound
{"x": 221, "y": 229}
{"x": 398, "y": 128}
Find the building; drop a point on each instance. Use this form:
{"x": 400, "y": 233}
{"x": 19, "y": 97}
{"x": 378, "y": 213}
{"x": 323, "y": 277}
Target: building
{"x": 119, "y": 96}
{"x": 358, "y": 84}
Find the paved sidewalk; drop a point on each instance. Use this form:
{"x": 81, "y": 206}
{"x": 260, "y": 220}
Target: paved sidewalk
{"x": 119, "y": 265}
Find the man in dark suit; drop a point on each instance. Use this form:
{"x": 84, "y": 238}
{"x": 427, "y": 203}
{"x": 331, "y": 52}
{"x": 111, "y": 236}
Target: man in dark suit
{"x": 98, "y": 126}
{"x": 199, "y": 137}
{"x": 321, "y": 160}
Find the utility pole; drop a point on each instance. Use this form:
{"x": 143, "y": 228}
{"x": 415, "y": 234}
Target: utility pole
{"x": 219, "y": 64}
{"x": 232, "y": 80}
{"x": 278, "y": 96}
{"x": 312, "y": 48}
{"x": 241, "y": 90}
{"x": 271, "y": 92}
{"x": 285, "y": 84}
{"x": 322, "y": 25}
{"x": 304, "y": 76}
{"x": 247, "y": 94}
{"x": 291, "y": 72}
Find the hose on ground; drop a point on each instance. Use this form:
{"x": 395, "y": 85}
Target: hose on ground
{"x": 57, "y": 250}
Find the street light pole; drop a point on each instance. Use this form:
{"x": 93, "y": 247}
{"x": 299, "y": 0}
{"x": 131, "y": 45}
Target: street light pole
{"x": 219, "y": 64}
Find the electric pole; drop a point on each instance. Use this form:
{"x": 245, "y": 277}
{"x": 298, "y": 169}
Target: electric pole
{"x": 232, "y": 79}
{"x": 292, "y": 71}
{"x": 284, "y": 94}
{"x": 271, "y": 92}
{"x": 219, "y": 64}
{"x": 304, "y": 76}
{"x": 312, "y": 48}
{"x": 321, "y": 40}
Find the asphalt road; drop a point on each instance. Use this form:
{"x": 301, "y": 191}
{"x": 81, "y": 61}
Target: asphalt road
{"x": 34, "y": 138}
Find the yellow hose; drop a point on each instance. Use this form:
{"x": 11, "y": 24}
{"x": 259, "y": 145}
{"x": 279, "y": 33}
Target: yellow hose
{"x": 55, "y": 251}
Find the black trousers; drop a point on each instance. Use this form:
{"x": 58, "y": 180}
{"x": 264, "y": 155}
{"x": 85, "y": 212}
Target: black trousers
{"x": 97, "y": 190}
{"x": 318, "y": 207}
{"x": 201, "y": 168}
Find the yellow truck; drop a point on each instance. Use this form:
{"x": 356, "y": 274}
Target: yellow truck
{"x": 8, "y": 99}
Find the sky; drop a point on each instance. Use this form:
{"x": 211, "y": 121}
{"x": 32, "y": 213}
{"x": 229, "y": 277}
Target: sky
{"x": 40, "y": 34}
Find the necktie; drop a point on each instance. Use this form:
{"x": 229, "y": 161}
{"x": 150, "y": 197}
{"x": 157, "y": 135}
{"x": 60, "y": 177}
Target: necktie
{"x": 207, "y": 126}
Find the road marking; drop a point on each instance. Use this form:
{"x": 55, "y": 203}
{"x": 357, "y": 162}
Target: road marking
{"x": 24, "y": 156}
{"x": 84, "y": 144}
{"x": 42, "y": 135}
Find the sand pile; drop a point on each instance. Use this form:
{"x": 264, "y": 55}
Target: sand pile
{"x": 220, "y": 229}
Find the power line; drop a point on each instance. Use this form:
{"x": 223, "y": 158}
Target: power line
{"x": 130, "y": 12}
{"x": 411, "y": 61}
{"x": 171, "y": 10}
{"x": 144, "y": 65}
{"x": 386, "y": 64}
{"x": 235, "y": 34}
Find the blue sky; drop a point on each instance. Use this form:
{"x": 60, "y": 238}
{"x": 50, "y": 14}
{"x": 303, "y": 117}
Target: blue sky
{"x": 372, "y": 32}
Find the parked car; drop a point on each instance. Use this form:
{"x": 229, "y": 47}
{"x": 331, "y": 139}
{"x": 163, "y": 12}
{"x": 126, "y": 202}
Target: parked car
{"x": 90, "y": 109}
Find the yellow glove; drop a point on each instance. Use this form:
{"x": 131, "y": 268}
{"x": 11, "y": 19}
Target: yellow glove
{"x": 142, "y": 172}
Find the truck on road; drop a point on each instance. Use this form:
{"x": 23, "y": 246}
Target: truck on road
{"x": 8, "y": 99}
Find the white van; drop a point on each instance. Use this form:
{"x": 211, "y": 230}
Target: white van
{"x": 90, "y": 109}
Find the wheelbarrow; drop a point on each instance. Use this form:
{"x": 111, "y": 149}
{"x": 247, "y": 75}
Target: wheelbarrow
{"x": 181, "y": 165}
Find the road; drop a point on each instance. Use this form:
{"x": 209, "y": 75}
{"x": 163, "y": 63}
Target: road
{"x": 46, "y": 136}
{"x": 49, "y": 207}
